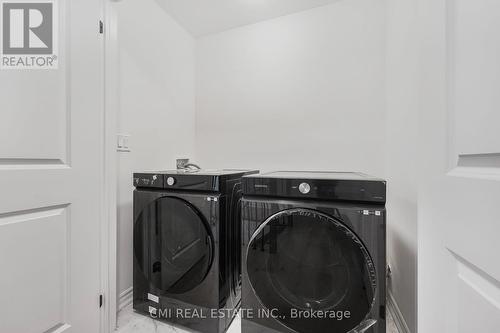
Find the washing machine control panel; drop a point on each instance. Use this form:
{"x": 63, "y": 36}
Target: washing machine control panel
{"x": 345, "y": 186}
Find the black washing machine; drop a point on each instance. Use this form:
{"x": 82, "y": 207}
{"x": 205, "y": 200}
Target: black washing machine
{"x": 313, "y": 253}
{"x": 187, "y": 248}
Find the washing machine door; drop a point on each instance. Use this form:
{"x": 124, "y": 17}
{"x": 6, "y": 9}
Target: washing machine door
{"x": 173, "y": 245}
{"x": 312, "y": 273}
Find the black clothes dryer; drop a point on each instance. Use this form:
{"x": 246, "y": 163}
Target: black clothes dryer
{"x": 313, "y": 253}
{"x": 187, "y": 248}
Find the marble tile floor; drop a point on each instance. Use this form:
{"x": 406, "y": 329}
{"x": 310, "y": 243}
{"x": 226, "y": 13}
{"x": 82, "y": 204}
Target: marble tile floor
{"x": 132, "y": 322}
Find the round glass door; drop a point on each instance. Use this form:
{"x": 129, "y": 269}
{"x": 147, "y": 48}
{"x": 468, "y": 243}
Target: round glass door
{"x": 173, "y": 246}
{"x": 311, "y": 271}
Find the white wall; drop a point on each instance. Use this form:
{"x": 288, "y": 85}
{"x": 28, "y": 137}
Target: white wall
{"x": 401, "y": 154}
{"x": 156, "y": 105}
{"x": 304, "y": 91}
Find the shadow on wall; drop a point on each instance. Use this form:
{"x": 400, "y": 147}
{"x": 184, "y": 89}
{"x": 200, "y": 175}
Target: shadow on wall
{"x": 156, "y": 106}
{"x": 402, "y": 249}
{"x": 303, "y": 91}
{"x": 157, "y": 45}
{"x": 124, "y": 243}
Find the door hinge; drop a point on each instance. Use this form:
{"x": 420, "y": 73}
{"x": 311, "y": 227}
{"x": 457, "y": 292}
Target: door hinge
{"x": 101, "y": 300}
{"x": 101, "y": 27}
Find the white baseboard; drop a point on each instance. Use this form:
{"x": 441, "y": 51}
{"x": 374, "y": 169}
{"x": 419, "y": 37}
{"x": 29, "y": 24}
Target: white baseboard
{"x": 125, "y": 298}
{"x": 399, "y": 320}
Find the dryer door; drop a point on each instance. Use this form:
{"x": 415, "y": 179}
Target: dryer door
{"x": 173, "y": 245}
{"x": 312, "y": 272}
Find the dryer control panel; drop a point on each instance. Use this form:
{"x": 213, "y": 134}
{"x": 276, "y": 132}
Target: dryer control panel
{"x": 148, "y": 180}
{"x": 199, "y": 180}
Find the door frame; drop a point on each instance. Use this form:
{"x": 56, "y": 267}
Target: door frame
{"x": 110, "y": 86}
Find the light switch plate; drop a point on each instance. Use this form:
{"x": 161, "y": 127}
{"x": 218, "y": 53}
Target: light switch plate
{"x": 123, "y": 143}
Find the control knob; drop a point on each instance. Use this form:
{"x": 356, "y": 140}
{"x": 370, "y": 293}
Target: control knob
{"x": 304, "y": 188}
{"x": 170, "y": 181}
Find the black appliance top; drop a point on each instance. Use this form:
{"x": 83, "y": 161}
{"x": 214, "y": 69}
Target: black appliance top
{"x": 192, "y": 180}
{"x": 345, "y": 186}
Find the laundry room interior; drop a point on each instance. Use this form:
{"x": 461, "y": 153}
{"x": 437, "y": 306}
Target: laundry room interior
{"x": 274, "y": 85}
{"x": 249, "y": 166}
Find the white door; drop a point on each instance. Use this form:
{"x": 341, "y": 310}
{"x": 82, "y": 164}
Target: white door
{"x": 51, "y": 167}
{"x": 459, "y": 201}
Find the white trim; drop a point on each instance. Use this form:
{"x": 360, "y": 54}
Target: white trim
{"x": 111, "y": 108}
{"x": 399, "y": 320}
{"x": 126, "y": 298}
